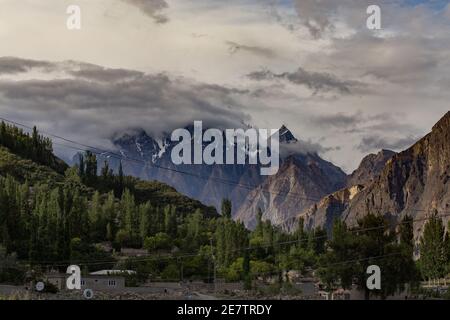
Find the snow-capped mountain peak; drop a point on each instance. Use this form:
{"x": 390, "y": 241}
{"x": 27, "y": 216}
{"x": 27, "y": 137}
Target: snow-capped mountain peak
{"x": 286, "y": 135}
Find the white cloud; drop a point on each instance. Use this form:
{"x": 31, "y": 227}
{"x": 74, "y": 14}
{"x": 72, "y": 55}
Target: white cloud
{"x": 151, "y": 8}
{"x": 402, "y": 70}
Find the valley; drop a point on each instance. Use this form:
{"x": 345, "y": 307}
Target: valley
{"x": 293, "y": 226}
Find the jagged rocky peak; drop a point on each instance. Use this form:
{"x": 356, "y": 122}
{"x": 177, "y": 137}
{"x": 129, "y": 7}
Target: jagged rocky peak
{"x": 413, "y": 182}
{"x": 138, "y": 143}
{"x": 438, "y": 146}
{"x": 443, "y": 124}
{"x": 133, "y": 138}
{"x": 324, "y": 212}
{"x": 301, "y": 181}
{"x": 286, "y": 135}
{"x": 370, "y": 166}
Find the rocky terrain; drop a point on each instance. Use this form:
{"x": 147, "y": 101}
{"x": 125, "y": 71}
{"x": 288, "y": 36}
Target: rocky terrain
{"x": 322, "y": 213}
{"x": 307, "y": 173}
{"x": 301, "y": 181}
{"x": 369, "y": 168}
{"x": 414, "y": 182}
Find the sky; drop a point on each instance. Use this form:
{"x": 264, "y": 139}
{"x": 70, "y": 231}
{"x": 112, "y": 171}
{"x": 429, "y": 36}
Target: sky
{"x": 161, "y": 64}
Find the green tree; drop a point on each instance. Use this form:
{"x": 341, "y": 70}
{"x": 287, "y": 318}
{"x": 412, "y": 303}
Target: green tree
{"x": 160, "y": 241}
{"x": 433, "y": 256}
{"x": 370, "y": 243}
{"x": 226, "y": 208}
{"x": 170, "y": 221}
{"x": 246, "y": 271}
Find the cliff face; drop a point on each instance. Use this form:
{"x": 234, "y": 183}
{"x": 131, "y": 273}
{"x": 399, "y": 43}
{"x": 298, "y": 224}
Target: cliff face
{"x": 324, "y": 212}
{"x": 150, "y": 159}
{"x": 414, "y": 182}
{"x": 300, "y": 182}
{"x": 370, "y": 167}
{"x": 331, "y": 207}
{"x": 302, "y": 172}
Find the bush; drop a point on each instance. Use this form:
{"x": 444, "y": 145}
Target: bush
{"x": 13, "y": 276}
{"x": 171, "y": 272}
{"x": 10, "y": 270}
{"x": 50, "y": 287}
{"x": 160, "y": 241}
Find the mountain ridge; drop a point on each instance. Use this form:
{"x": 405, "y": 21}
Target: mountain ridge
{"x": 413, "y": 182}
{"x": 200, "y": 181}
{"x": 324, "y": 192}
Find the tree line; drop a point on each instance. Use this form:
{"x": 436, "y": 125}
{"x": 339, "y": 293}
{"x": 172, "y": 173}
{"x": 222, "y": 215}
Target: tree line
{"x": 30, "y": 146}
{"x": 45, "y": 224}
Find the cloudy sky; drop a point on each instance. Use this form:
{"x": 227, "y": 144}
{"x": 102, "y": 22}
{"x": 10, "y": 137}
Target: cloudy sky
{"x": 161, "y": 64}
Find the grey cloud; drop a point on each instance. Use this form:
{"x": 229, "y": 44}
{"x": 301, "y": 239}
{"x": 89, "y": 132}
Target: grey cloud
{"x": 13, "y": 65}
{"x": 409, "y": 57}
{"x": 87, "y": 71}
{"x": 304, "y": 147}
{"x": 362, "y": 123}
{"x": 338, "y": 120}
{"x": 401, "y": 59}
{"x": 315, "y": 15}
{"x": 234, "y": 47}
{"x": 94, "y": 110}
{"x": 322, "y": 16}
{"x": 151, "y": 8}
{"x": 319, "y": 16}
{"x": 373, "y": 143}
{"x": 316, "y": 81}
{"x": 96, "y": 73}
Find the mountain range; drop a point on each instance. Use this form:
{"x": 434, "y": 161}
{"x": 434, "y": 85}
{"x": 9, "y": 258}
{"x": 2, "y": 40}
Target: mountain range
{"x": 414, "y": 182}
{"x": 150, "y": 159}
{"x": 306, "y": 186}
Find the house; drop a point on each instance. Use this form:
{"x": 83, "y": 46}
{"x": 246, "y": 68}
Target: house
{"x": 113, "y": 272}
{"x": 103, "y": 282}
{"x": 100, "y": 282}
{"x": 307, "y": 286}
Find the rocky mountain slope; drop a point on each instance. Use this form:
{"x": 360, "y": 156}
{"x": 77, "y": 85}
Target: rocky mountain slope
{"x": 323, "y": 212}
{"x": 413, "y": 182}
{"x": 149, "y": 158}
{"x": 301, "y": 181}
{"x": 206, "y": 183}
{"x": 371, "y": 165}
{"x": 301, "y": 172}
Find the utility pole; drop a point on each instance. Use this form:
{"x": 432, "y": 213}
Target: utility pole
{"x": 180, "y": 263}
{"x": 214, "y": 265}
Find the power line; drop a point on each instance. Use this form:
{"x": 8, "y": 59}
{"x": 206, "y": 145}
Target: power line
{"x": 378, "y": 257}
{"x": 287, "y": 193}
{"x": 225, "y": 181}
{"x": 99, "y": 151}
{"x": 117, "y": 156}
{"x": 351, "y": 229}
